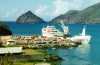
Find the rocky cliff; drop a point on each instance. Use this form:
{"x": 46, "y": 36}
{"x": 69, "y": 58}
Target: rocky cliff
{"x": 4, "y": 30}
{"x": 29, "y": 17}
{"x": 90, "y": 15}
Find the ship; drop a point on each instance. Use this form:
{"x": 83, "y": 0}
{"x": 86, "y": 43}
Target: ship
{"x": 52, "y": 31}
{"x": 83, "y": 38}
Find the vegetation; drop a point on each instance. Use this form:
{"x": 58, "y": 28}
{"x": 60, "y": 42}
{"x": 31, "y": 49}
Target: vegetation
{"x": 32, "y": 51}
{"x": 52, "y": 58}
{"x": 28, "y": 63}
{"x": 3, "y": 25}
{"x": 6, "y": 60}
{"x": 41, "y": 51}
{"x": 48, "y": 58}
{"x": 88, "y": 15}
{"x": 0, "y": 44}
{"x": 4, "y": 29}
{"x": 29, "y": 17}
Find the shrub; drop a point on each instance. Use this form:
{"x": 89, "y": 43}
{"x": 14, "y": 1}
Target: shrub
{"x": 34, "y": 60}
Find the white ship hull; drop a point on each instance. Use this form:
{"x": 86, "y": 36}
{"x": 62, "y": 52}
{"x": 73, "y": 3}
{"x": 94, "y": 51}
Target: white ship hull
{"x": 84, "y": 39}
{"x": 51, "y": 31}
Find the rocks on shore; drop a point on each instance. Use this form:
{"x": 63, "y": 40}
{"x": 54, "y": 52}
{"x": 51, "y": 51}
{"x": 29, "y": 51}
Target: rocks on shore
{"x": 42, "y": 43}
{"x": 52, "y": 58}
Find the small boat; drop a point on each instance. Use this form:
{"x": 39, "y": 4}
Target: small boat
{"x": 71, "y": 47}
{"x": 53, "y": 48}
{"x": 83, "y": 38}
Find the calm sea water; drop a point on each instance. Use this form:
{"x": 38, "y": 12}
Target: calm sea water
{"x": 85, "y": 55}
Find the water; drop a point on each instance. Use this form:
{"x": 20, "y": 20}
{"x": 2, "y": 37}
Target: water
{"x": 83, "y": 55}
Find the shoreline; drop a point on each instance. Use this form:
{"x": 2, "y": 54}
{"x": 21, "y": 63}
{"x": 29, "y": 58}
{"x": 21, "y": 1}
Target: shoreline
{"x": 39, "y": 42}
{"x": 40, "y": 56}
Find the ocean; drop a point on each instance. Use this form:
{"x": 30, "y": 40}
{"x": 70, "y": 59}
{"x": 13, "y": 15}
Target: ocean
{"x": 85, "y": 55}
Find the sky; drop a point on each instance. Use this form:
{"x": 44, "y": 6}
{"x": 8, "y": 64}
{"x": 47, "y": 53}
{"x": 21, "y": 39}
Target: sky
{"x": 10, "y": 10}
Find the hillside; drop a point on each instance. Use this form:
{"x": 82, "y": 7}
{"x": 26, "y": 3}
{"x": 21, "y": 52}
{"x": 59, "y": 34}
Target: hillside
{"x": 4, "y": 30}
{"x": 29, "y": 17}
{"x": 89, "y": 15}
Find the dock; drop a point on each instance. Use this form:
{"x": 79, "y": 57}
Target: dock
{"x": 42, "y": 42}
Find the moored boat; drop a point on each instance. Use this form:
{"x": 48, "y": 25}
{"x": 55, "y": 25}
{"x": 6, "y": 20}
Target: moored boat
{"x": 83, "y": 38}
{"x": 52, "y": 31}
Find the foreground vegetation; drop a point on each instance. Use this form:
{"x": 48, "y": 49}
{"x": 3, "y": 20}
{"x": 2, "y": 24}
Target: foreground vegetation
{"x": 49, "y": 58}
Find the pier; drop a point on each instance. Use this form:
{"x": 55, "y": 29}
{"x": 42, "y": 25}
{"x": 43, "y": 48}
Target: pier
{"x": 42, "y": 42}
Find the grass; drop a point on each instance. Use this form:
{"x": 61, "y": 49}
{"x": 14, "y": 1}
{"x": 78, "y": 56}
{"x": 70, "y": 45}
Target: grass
{"x": 24, "y": 63}
{"x": 31, "y": 51}
{"x": 29, "y": 63}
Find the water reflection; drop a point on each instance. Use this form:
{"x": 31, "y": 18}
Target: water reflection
{"x": 83, "y": 49}
{"x": 82, "y": 53}
{"x": 78, "y": 56}
{"x": 75, "y": 56}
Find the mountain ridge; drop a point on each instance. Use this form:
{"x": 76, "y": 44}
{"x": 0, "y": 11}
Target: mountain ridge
{"x": 29, "y": 17}
{"x": 90, "y": 15}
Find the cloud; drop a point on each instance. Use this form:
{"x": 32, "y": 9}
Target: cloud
{"x": 14, "y": 12}
{"x": 62, "y": 6}
{"x": 94, "y": 1}
{"x": 10, "y": 13}
{"x": 42, "y": 10}
{"x": 76, "y": 4}
{"x": 59, "y": 7}
{"x": 20, "y": 12}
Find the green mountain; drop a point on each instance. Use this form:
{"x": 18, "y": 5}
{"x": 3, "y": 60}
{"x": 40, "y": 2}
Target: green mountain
{"x": 89, "y": 15}
{"x": 4, "y": 29}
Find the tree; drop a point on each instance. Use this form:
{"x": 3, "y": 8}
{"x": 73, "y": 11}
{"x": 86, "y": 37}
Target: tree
{"x": 0, "y": 44}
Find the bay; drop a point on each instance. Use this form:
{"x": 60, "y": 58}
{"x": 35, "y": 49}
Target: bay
{"x": 85, "y": 55}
